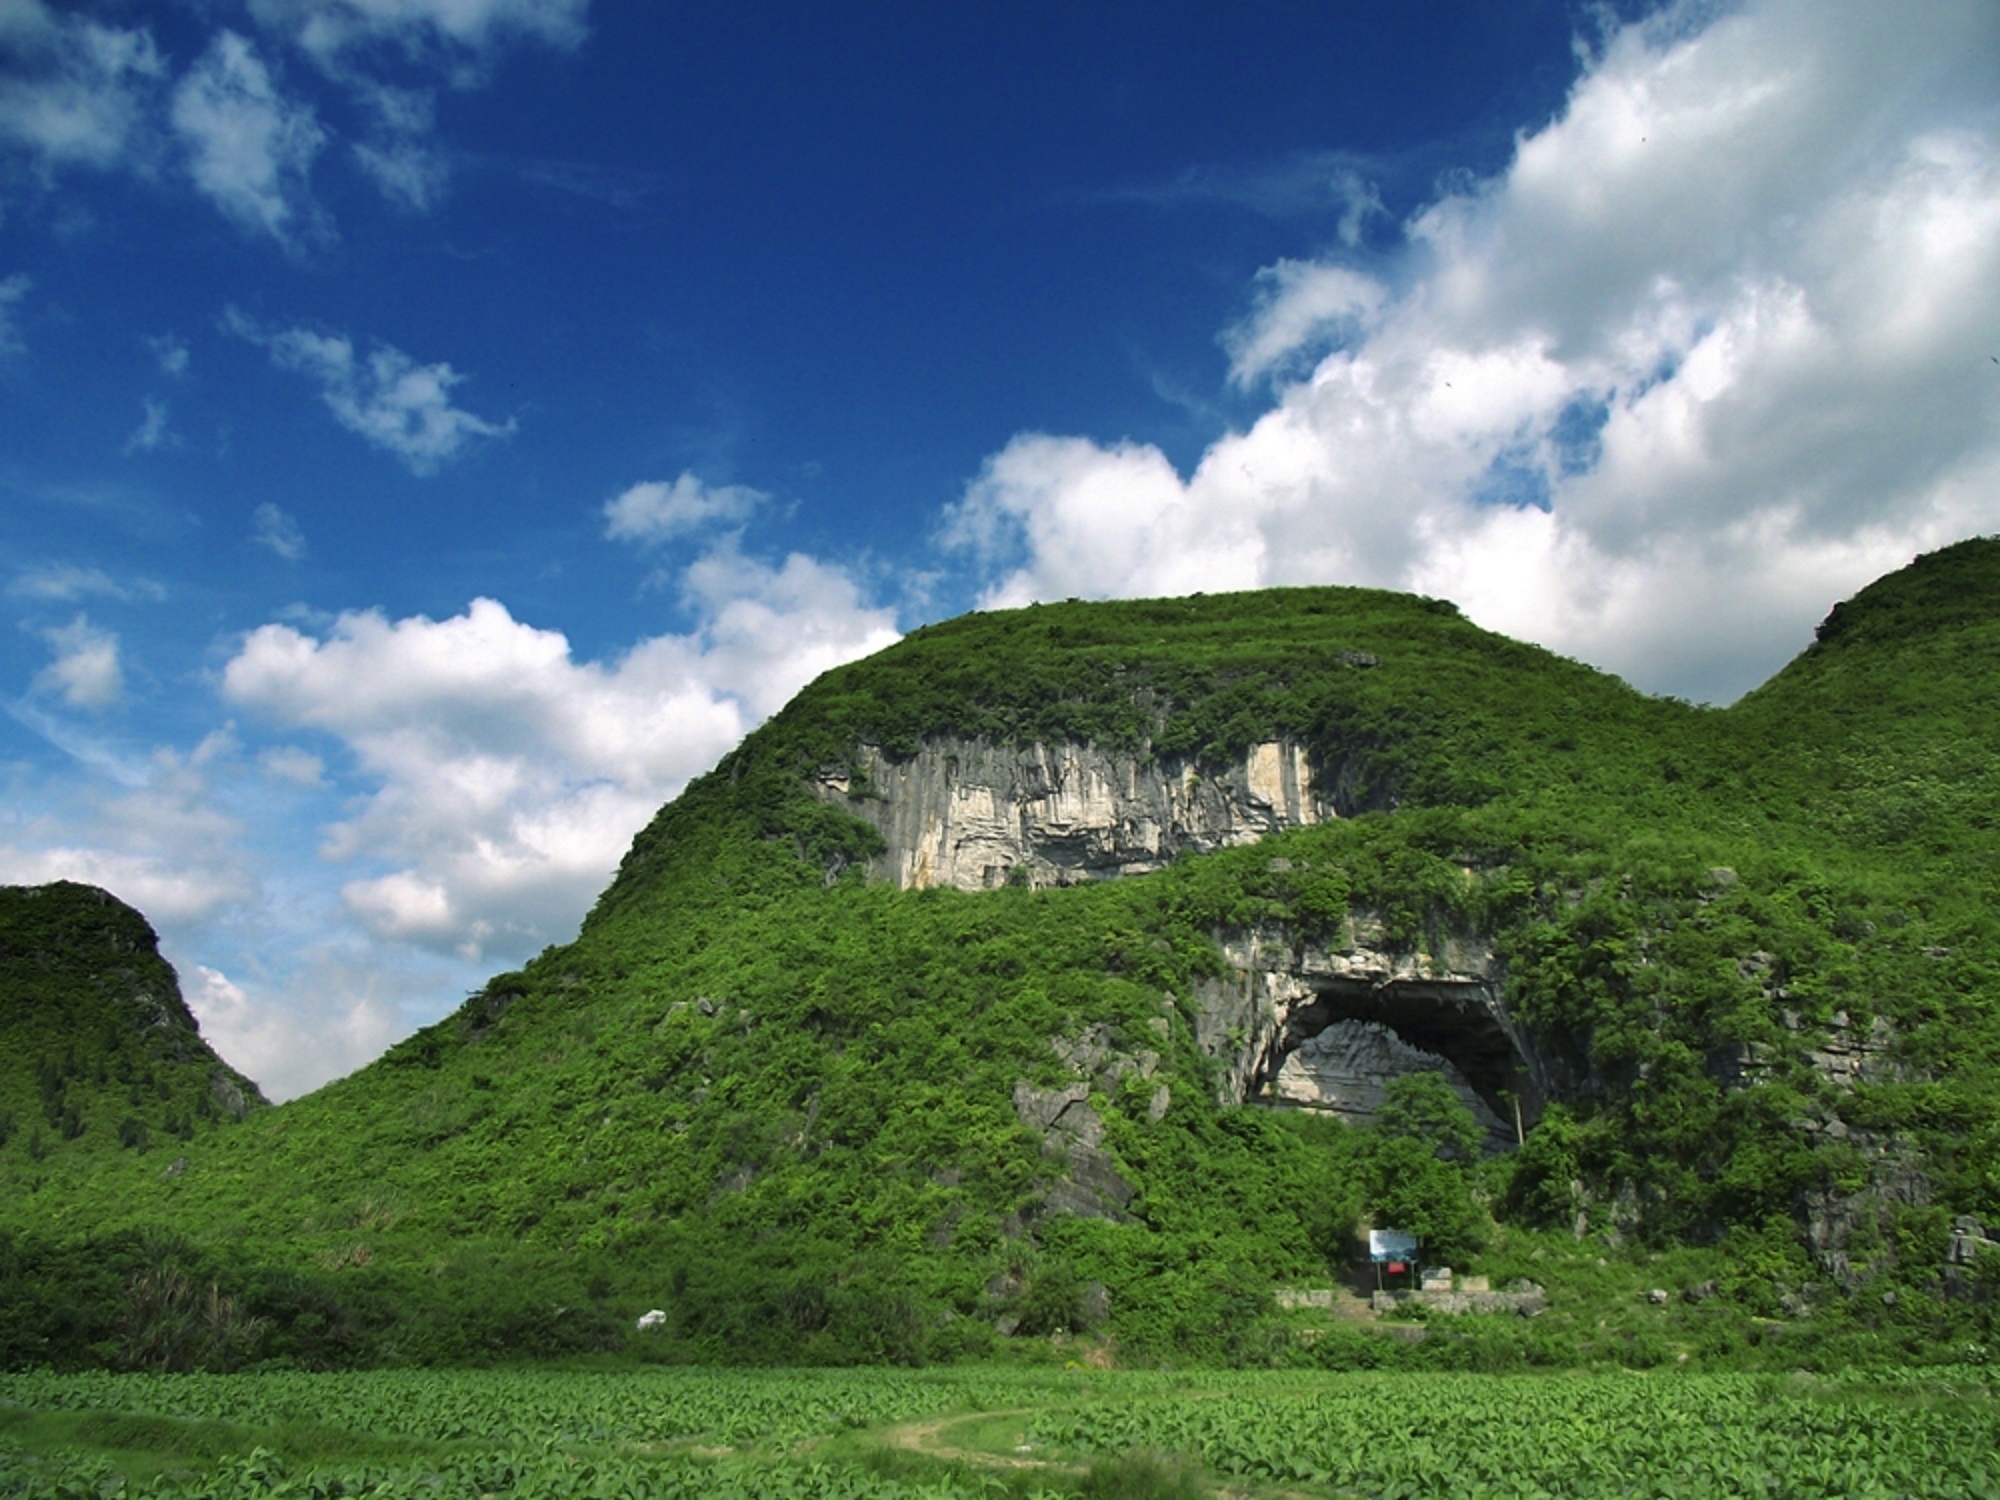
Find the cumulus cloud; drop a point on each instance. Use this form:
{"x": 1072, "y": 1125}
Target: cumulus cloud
{"x": 272, "y": 527}
{"x": 386, "y": 398}
{"x": 1703, "y": 359}
{"x": 249, "y": 148}
{"x": 508, "y": 776}
{"x": 86, "y": 672}
{"x": 655, "y": 511}
{"x": 75, "y": 92}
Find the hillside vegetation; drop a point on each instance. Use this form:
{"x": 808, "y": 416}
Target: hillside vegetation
{"x": 98, "y": 1052}
{"x": 783, "y": 1105}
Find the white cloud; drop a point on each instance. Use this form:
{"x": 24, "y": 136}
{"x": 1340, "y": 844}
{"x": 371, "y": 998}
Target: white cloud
{"x": 507, "y": 777}
{"x": 86, "y": 672}
{"x": 159, "y": 887}
{"x": 1300, "y": 304}
{"x": 272, "y": 527}
{"x": 323, "y": 1024}
{"x": 770, "y": 631}
{"x": 387, "y": 398}
{"x": 162, "y": 846}
{"x": 1706, "y": 357}
{"x": 1361, "y": 202}
{"x": 249, "y": 149}
{"x": 75, "y": 92}
{"x": 657, "y": 512}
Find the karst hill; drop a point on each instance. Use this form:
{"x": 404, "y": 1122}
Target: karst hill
{"x": 1103, "y": 966}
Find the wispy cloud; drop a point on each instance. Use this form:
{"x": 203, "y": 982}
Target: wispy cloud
{"x": 1302, "y": 307}
{"x": 171, "y": 354}
{"x": 271, "y": 527}
{"x": 407, "y": 172}
{"x": 617, "y": 187}
{"x": 12, "y": 290}
{"x": 152, "y": 431}
{"x": 79, "y": 93}
{"x": 386, "y": 397}
{"x": 74, "y": 92}
{"x": 355, "y": 43}
{"x": 1343, "y": 188}
{"x": 250, "y": 149}
{"x": 463, "y": 37}
{"x": 66, "y": 583}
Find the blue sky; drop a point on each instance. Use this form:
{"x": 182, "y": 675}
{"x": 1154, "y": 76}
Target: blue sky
{"x": 433, "y": 430}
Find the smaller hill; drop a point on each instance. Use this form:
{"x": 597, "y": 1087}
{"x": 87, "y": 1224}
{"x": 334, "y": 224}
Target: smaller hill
{"x": 99, "y": 1054}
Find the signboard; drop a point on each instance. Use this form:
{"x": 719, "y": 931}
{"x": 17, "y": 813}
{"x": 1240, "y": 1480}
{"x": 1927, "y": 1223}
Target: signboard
{"x": 1391, "y": 1244}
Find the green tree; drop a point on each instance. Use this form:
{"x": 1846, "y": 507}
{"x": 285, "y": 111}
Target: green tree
{"x": 1411, "y": 1189}
{"x": 1424, "y": 1107}
{"x": 1425, "y": 1144}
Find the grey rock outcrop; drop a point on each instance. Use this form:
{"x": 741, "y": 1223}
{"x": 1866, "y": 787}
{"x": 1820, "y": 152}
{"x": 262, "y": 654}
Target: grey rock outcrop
{"x": 1345, "y": 1068}
{"x": 975, "y": 814}
{"x": 1972, "y": 1260}
{"x": 1089, "y": 1184}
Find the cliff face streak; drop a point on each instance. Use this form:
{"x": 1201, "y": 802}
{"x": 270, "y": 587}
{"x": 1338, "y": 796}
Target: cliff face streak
{"x": 976, "y": 815}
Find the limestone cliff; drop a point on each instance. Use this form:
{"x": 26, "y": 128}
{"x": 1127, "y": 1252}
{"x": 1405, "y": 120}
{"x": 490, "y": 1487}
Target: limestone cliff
{"x": 975, "y": 814}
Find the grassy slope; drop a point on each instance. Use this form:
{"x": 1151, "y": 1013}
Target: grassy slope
{"x": 784, "y": 1108}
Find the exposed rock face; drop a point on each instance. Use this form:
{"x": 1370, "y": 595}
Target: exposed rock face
{"x": 1344, "y": 1068}
{"x": 1090, "y": 1185}
{"x": 1328, "y": 1025}
{"x": 975, "y": 814}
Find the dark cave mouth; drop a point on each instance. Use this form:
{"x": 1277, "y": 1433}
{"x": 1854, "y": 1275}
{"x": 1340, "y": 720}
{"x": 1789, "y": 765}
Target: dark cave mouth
{"x": 1452, "y": 1021}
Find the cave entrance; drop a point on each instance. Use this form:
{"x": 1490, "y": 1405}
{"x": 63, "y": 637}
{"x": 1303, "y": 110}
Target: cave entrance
{"x": 1336, "y": 1049}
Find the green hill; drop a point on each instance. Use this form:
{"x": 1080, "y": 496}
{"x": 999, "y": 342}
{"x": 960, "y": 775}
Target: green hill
{"x": 1726, "y": 977}
{"x": 98, "y": 1052}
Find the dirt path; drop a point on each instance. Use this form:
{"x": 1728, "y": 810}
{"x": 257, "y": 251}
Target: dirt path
{"x": 922, "y": 1437}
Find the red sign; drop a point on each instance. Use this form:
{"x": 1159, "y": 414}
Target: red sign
{"x": 1397, "y": 1268}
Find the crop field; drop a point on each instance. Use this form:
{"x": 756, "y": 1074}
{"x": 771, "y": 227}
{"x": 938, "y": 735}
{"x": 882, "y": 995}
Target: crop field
{"x": 659, "y": 1434}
